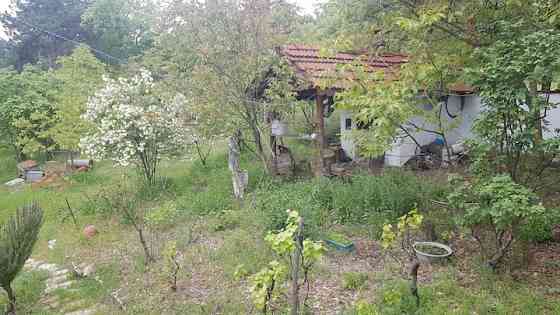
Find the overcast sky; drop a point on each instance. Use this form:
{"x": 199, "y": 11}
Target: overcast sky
{"x": 308, "y": 7}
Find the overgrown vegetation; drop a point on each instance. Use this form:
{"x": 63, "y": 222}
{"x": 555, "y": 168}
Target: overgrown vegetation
{"x": 17, "y": 239}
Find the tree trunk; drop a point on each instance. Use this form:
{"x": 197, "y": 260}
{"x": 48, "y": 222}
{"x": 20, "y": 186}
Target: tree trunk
{"x": 149, "y": 257}
{"x": 296, "y": 262}
{"x": 240, "y": 178}
{"x": 414, "y": 281}
{"x": 11, "y": 310}
{"x": 533, "y": 106}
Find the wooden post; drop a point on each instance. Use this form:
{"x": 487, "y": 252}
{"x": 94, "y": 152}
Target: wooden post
{"x": 296, "y": 262}
{"x": 320, "y": 133}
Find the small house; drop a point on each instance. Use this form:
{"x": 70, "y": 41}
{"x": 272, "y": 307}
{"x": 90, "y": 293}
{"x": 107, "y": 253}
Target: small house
{"x": 315, "y": 68}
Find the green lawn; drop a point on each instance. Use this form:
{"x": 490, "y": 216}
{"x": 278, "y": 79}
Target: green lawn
{"x": 221, "y": 243}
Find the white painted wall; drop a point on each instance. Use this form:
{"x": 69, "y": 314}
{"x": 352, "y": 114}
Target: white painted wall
{"x": 404, "y": 149}
{"x": 552, "y": 119}
{"x": 346, "y": 141}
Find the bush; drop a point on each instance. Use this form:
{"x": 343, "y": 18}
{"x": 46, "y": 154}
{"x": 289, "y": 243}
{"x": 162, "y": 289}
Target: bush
{"x": 354, "y": 280}
{"x": 162, "y": 216}
{"x": 539, "y": 228}
{"x": 495, "y": 210}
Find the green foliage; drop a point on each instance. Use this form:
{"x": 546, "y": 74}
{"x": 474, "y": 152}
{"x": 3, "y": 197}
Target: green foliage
{"x": 284, "y": 244}
{"x": 502, "y": 298}
{"x": 354, "y": 280}
{"x": 499, "y": 206}
{"x": 26, "y": 109}
{"x": 365, "y": 199}
{"x": 29, "y": 20}
{"x": 162, "y": 216}
{"x": 264, "y": 282}
{"x": 406, "y": 225}
{"x": 17, "y": 238}
{"x": 121, "y": 28}
{"x": 511, "y": 134}
{"x": 28, "y": 287}
{"x": 79, "y": 75}
{"x": 539, "y": 228}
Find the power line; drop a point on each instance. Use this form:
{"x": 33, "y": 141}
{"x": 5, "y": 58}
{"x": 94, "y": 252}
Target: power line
{"x": 73, "y": 41}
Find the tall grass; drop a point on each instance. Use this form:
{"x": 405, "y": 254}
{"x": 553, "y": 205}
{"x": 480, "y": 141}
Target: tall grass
{"x": 327, "y": 201}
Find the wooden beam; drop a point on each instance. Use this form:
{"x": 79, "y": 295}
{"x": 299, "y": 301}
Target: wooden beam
{"x": 321, "y": 140}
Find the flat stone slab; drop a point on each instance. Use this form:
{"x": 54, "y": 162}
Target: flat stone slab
{"x": 88, "y": 311}
{"x": 51, "y": 268}
{"x": 63, "y": 285}
{"x": 15, "y": 182}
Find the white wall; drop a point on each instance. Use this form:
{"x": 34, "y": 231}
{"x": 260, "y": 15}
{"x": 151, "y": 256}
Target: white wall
{"x": 346, "y": 141}
{"x": 552, "y": 119}
{"x": 404, "y": 149}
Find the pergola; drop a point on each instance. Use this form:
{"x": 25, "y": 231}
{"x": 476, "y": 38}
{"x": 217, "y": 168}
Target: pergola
{"x": 316, "y": 69}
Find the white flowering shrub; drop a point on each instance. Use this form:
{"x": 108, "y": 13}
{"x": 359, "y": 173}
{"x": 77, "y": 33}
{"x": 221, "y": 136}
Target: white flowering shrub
{"x": 135, "y": 125}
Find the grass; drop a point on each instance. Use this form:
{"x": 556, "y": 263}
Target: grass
{"x": 221, "y": 240}
{"x": 444, "y": 296}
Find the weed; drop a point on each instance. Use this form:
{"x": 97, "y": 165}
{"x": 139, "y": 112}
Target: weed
{"x": 354, "y": 280}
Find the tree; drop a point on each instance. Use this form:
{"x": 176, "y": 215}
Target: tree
{"x": 79, "y": 75}
{"x": 120, "y": 28}
{"x": 440, "y": 39}
{"x": 41, "y": 29}
{"x": 513, "y": 72}
{"x": 133, "y": 124}
{"x": 294, "y": 254}
{"x": 27, "y": 109}
{"x": 17, "y": 238}
{"x": 495, "y": 209}
{"x": 222, "y": 53}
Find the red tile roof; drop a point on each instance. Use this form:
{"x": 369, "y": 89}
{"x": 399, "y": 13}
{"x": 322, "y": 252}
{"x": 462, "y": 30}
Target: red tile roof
{"x": 313, "y": 67}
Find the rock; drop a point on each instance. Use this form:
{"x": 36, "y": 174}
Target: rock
{"x": 88, "y": 271}
{"x": 15, "y": 182}
{"x": 90, "y": 231}
{"x": 51, "y": 244}
{"x": 556, "y": 232}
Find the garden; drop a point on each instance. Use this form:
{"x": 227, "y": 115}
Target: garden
{"x": 167, "y": 159}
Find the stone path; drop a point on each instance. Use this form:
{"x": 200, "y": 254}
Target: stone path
{"x": 60, "y": 278}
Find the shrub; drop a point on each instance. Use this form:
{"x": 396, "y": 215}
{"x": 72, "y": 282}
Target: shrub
{"x": 495, "y": 210}
{"x": 162, "y": 216}
{"x": 354, "y": 280}
{"x": 539, "y": 228}
{"x": 17, "y": 238}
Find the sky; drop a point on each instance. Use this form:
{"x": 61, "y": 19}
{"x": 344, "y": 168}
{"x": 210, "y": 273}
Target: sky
{"x": 308, "y": 7}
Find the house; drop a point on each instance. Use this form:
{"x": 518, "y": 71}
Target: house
{"x": 315, "y": 68}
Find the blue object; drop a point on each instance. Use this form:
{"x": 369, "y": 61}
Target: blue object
{"x": 341, "y": 247}
{"x": 439, "y": 141}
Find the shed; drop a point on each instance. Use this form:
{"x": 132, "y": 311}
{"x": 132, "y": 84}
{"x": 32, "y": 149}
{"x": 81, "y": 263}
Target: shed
{"x": 325, "y": 75}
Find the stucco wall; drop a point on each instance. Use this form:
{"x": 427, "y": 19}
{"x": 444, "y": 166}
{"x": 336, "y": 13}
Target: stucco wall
{"x": 404, "y": 149}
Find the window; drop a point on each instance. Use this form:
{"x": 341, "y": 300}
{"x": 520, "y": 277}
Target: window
{"x": 348, "y": 124}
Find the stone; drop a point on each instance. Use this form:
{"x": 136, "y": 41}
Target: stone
{"x": 15, "y": 182}
{"x": 88, "y": 311}
{"x": 48, "y": 267}
{"x": 90, "y": 231}
{"x": 51, "y": 244}
{"x": 88, "y": 271}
